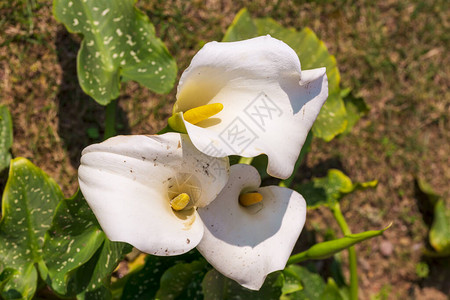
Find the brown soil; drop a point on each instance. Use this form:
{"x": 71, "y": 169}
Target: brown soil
{"x": 391, "y": 54}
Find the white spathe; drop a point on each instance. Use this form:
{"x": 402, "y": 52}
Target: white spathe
{"x": 247, "y": 243}
{"x": 128, "y": 182}
{"x": 269, "y": 103}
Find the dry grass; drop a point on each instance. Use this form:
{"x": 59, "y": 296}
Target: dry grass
{"x": 393, "y": 54}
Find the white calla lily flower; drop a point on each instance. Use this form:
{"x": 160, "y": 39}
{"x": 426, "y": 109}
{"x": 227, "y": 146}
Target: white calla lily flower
{"x": 246, "y": 243}
{"x": 249, "y": 98}
{"x": 145, "y": 190}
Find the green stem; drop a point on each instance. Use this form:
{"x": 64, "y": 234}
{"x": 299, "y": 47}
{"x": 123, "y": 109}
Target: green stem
{"x": 337, "y": 213}
{"x": 297, "y": 258}
{"x": 110, "y": 120}
{"x": 246, "y": 160}
{"x": 165, "y": 130}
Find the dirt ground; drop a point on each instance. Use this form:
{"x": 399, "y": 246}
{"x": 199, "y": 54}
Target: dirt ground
{"x": 394, "y": 55}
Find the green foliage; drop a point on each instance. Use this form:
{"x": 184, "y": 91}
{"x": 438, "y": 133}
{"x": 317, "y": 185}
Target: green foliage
{"x": 327, "y": 249}
{"x": 334, "y": 117}
{"x": 92, "y": 280}
{"x": 144, "y": 283}
{"x": 6, "y": 137}
{"x": 78, "y": 255}
{"x": 183, "y": 281}
{"x": 422, "y": 270}
{"x": 43, "y": 235}
{"x": 29, "y": 200}
{"x": 308, "y": 285}
{"x": 218, "y": 287}
{"x": 71, "y": 241}
{"x": 356, "y": 108}
{"x": 330, "y": 189}
{"x": 439, "y": 235}
{"x": 440, "y": 230}
{"x": 119, "y": 44}
{"x": 305, "y": 149}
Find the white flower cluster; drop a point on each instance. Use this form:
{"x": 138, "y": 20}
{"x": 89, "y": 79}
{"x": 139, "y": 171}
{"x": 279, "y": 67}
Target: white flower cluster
{"x": 166, "y": 194}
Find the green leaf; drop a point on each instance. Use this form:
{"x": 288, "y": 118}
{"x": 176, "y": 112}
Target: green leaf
{"x": 333, "y": 118}
{"x": 92, "y": 280}
{"x": 218, "y": 287}
{"x": 29, "y": 201}
{"x": 72, "y": 240}
{"x": 6, "y": 137}
{"x": 333, "y": 292}
{"x": 313, "y": 284}
{"x": 440, "y": 229}
{"x": 183, "y": 281}
{"x": 426, "y": 188}
{"x": 327, "y": 249}
{"x": 119, "y": 44}
{"x": 145, "y": 282}
{"x": 78, "y": 255}
{"x": 330, "y": 189}
{"x": 241, "y": 28}
{"x": 291, "y": 284}
{"x": 305, "y": 149}
{"x": 356, "y": 108}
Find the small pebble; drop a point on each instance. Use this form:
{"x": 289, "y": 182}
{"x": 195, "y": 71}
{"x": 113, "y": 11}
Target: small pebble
{"x": 386, "y": 248}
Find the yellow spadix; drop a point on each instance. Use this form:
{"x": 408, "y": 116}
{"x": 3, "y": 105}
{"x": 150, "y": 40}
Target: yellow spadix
{"x": 248, "y": 199}
{"x": 198, "y": 114}
{"x": 180, "y": 201}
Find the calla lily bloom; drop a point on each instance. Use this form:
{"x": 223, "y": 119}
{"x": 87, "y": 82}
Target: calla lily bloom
{"x": 250, "y": 231}
{"x": 249, "y": 98}
{"x": 145, "y": 190}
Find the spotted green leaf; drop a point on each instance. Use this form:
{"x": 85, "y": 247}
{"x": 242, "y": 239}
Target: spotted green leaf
{"x": 330, "y": 189}
{"x": 92, "y": 280}
{"x": 216, "y": 286}
{"x": 333, "y": 118}
{"x": 6, "y": 137}
{"x": 72, "y": 240}
{"x": 119, "y": 44}
{"x": 74, "y": 245}
{"x": 29, "y": 202}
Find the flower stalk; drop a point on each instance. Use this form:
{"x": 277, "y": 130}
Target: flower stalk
{"x": 110, "y": 120}
{"x": 337, "y": 213}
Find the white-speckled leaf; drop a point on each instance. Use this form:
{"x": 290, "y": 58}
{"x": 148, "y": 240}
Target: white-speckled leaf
{"x": 72, "y": 240}
{"x": 29, "y": 201}
{"x": 92, "y": 280}
{"x": 119, "y": 44}
{"x": 313, "y": 53}
{"x": 76, "y": 244}
{"x": 6, "y": 137}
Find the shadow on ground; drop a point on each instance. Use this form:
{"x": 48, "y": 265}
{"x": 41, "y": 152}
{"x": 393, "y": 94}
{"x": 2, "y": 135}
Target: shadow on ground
{"x": 81, "y": 119}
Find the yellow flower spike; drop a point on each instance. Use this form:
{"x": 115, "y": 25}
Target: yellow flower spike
{"x": 198, "y": 114}
{"x": 180, "y": 201}
{"x": 248, "y": 199}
